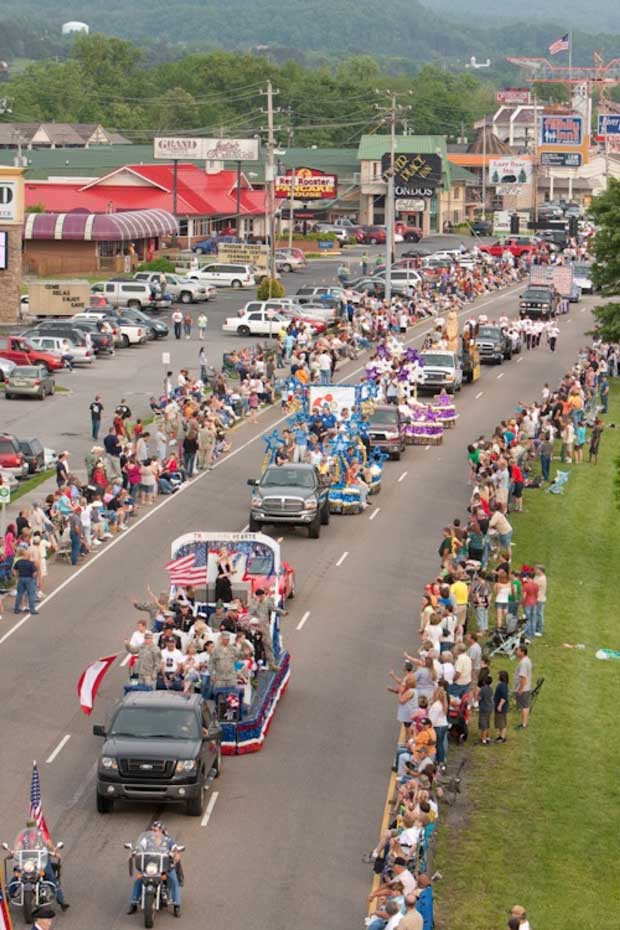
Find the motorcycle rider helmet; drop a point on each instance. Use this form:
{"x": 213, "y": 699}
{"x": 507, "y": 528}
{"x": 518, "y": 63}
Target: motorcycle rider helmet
{"x": 157, "y": 825}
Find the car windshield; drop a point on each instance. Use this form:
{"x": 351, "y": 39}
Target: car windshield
{"x": 583, "y": 271}
{"x": 384, "y": 418}
{"x": 488, "y": 332}
{"x": 280, "y": 476}
{"x": 27, "y": 371}
{"x": 154, "y": 722}
{"x": 438, "y": 360}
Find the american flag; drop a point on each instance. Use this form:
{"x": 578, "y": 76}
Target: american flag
{"x": 560, "y": 45}
{"x": 190, "y": 568}
{"x": 5, "y": 918}
{"x": 36, "y": 808}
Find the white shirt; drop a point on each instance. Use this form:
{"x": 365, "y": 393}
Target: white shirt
{"x": 171, "y": 660}
{"x": 137, "y": 638}
{"x": 407, "y": 881}
{"x": 447, "y": 672}
{"x": 394, "y": 921}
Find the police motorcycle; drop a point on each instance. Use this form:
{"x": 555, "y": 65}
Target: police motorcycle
{"x": 151, "y": 861}
{"x": 28, "y": 880}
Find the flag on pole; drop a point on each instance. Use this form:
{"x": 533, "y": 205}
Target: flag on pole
{"x": 90, "y": 679}
{"x": 189, "y": 569}
{"x": 560, "y": 45}
{"x": 5, "y": 917}
{"x": 36, "y": 807}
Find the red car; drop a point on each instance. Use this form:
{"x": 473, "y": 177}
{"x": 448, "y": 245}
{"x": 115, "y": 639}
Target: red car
{"x": 374, "y": 235}
{"x": 516, "y": 245}
{"x": 17, "y": 349}
{"x": 11, "y": 456}
{"x": 318, "y": 326}
{"x": 408, "y": 232}
{"x": 255, "y": 573}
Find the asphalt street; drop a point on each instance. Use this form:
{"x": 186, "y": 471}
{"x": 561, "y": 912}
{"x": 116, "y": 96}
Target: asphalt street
{"x": 282, "y": 843}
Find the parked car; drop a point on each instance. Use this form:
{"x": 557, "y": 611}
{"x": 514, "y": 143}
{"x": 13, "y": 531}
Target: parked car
{"x": 119, "y": 292}
{"x": 103, "y": 343}
{"x": 516, "y": 245}
{"x": 9, "y": 480}
{"x": 180, "y": 288}
{"x": 131, "y": 333}
{"x": 582, "y": 273}
{"x": 82, "y": 354}
{"x": 12, "y": 458}
{"x": 61, "y": 329}
{"x": 374, "y": 235}
{"x": 158, "y": 328}
{"x": 407, "y": 231}
{"x": 209, "y": 246}
{"x": 225, "y": 275}
{"x": 19, "y": 350}
{"x": 290, "y": 260}
{"x": 6, "y": 367}
{"x": 482, "y": 227}
{"x": 34, "y": 454}
{"x": 256, "y": 323}
{"x": 29, "y": 381}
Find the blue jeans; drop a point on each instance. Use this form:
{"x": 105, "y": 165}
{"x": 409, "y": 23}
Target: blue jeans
{"x": 442, "y": 743}
{"x": 539, "y": 622}
{"x": 482, "y": 618}
{"x": 530, "y": 620}
{"x": 504, "y": 540}
{"x": 173, "y": 888}
{"x": 545, "y": 466}
{"x": 26, "y": 586}
{"x": 377, "y": 923}
{"x": 96, "y": 425}
{"x": 139, "y": 686}
{"x": 325, "y": 376}
{"x": 188, "y": 461}
{"x": 76, "y": 546}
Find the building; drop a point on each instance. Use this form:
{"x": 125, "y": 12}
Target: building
{"x": 425, "y": 208}
{"x": 513, "y": 125}
{"x": 25, "y": 137}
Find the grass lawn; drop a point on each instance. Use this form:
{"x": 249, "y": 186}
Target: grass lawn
{"x": 538, "y": 823}
{"x": 31, "y": 483}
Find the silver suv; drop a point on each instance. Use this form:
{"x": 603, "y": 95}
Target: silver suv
{"x": 181, "y": 289}
{"x": 119, "y": 292}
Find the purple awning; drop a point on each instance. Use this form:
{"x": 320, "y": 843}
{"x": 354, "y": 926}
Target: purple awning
{"x": 100, "y": 227}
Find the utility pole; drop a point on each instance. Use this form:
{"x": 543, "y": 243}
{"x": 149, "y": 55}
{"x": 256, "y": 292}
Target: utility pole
{"x": 484, "y": 168}
{"x": 270, "y": 184}
{"x": 391, "y": 112}
{"x": 535, "y": 165}
{"x": 291, "y": 201}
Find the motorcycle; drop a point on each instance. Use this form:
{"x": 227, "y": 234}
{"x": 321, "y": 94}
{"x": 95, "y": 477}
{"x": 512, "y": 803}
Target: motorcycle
{"x": 27, "y": 887}
{"x": 150, "y": 862}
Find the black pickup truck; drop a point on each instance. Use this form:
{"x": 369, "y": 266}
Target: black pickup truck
{"x": 160, "y": 747}
{"x": 538, "y": 302}
{"x": 494, "y": 344}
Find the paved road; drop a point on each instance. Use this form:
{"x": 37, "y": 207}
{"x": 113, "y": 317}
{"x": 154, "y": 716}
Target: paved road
{"x": 283, "y": 842}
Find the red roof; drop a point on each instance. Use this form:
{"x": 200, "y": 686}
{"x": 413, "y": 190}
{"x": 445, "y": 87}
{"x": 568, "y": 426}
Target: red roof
{"x": 198, "y": 193}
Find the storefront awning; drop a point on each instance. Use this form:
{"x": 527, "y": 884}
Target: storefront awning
{"x": 100, "y": 227}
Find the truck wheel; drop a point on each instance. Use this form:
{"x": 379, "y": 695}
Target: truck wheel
{"x": 287, "y": 268}
{"x": 235, "y": 283}
{"x": 125, "y": 342}
{"x": 195, "y": 807}
{"x": 104, "y": 805}
{"x": 325, "y": 514}
{"x": 254, "y": 526}
{"x": 186, "y": 297}
{"x": 396, "y": 455}
{"x": 314, "y": 530}
{"x": 469, "y": 376}
{"x": 498, "y": 361}
{"x": 134, "y": 304}
{"x": 8, "y": 396}
{"x": 373, "y": 241}
{"x": 243, "y": 330}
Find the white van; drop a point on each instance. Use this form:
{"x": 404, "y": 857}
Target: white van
{"x": 222, "y": 275}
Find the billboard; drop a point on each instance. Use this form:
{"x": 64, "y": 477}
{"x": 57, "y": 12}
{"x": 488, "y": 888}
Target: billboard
{"x": 200, "y": 149}
{"x": 516, "y": 96}
{"x": 308, "y": 184}
{"x": 510, "y": 172}
{"x": 561, "y": 276}
{"x": 561, "y": 159}
{"x": 609, "y": 124}
{"x": 234, "y": 253}
{"x": 335, "y": 396}
{"x": 415, "y": 175}
{"x": 561, "y": 130}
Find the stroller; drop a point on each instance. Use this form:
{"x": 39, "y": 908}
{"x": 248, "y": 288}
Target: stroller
{"x": 506, "y": 641}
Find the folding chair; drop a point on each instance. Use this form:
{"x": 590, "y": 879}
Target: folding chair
{"x": 535, "y": 692}
{"x": 507, "y": 643}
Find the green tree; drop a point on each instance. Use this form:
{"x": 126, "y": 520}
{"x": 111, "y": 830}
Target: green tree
{"x": 605, "y": 210}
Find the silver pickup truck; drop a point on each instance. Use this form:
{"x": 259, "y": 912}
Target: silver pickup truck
{"x": 290, "y": 493}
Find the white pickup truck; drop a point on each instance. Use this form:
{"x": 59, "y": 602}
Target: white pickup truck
{"x": 441, "y": 369}
{"x": 180, "y": 288}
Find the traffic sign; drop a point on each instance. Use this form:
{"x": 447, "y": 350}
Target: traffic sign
{"x": 5, "y": 494}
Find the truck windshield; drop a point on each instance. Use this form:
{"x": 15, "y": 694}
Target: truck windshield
{"x": 438, "y": 360}
{"x": 488, "y": 332}
{"x": 384, "y": 418}
{"x": 281, "y": 476}
{"x": 533, "y": 293}
{"x": 150, "y": 723}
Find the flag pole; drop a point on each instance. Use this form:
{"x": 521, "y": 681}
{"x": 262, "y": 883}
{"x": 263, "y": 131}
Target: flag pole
{"x": 570, "y": 54}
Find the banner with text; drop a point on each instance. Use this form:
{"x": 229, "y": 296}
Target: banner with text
{"x": 308, "y": 184}
{"x": 200, "y": 149}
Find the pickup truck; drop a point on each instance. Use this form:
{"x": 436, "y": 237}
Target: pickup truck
{"x": 441, "y": 369}
{"x": 181, "y": 289}
{"x": 494, "y": 344}
{"x": 292, "y": 493}
{"x": 516, "y": 245}
{"x": 160, "y": 747}
{"x": 409, "y": 233}
{"x": 538, "y": 302}
{"x": 22, "y": 352}
{"x": 386, "y": 430}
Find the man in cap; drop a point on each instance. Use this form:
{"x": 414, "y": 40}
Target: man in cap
{"x": 222, "y": 661}
{"x": 32, "y": 838}
{"x": 43, "y": 918}
{"x": 261, "y": 607}
{"x": 148, "y": 664}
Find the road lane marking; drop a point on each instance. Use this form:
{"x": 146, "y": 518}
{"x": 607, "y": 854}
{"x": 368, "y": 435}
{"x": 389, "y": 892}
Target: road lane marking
{"x": 402, "y": 477}
{"x": 301, "y": 623}
{"x": 374, "y": 513}
{"x": 519, "y": 360}
{"x": 245, "y": 528}
{"x": 209, "y": 810}
{"x": 478, "y": 395}
{"x": 427, "y": 448}
{"x": 502, "y": 295}
{"x": 58, "y": 749}
{"x": 15, "y": 627}
{"x": 126, "y": 660}
{"x": 341, "y": 559}
{"x": 583, "y": 309}
{"x": 500, "y": 375}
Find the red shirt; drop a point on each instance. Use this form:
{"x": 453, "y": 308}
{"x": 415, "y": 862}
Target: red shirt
{"x": 517, "y": 474}
{"x": 530, "y": 593}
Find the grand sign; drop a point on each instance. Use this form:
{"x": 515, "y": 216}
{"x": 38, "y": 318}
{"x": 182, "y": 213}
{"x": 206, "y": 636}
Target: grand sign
{"x": 201, "y": 149}
{"x": 415, "y": 175}
{"x": 307, "y": 184}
